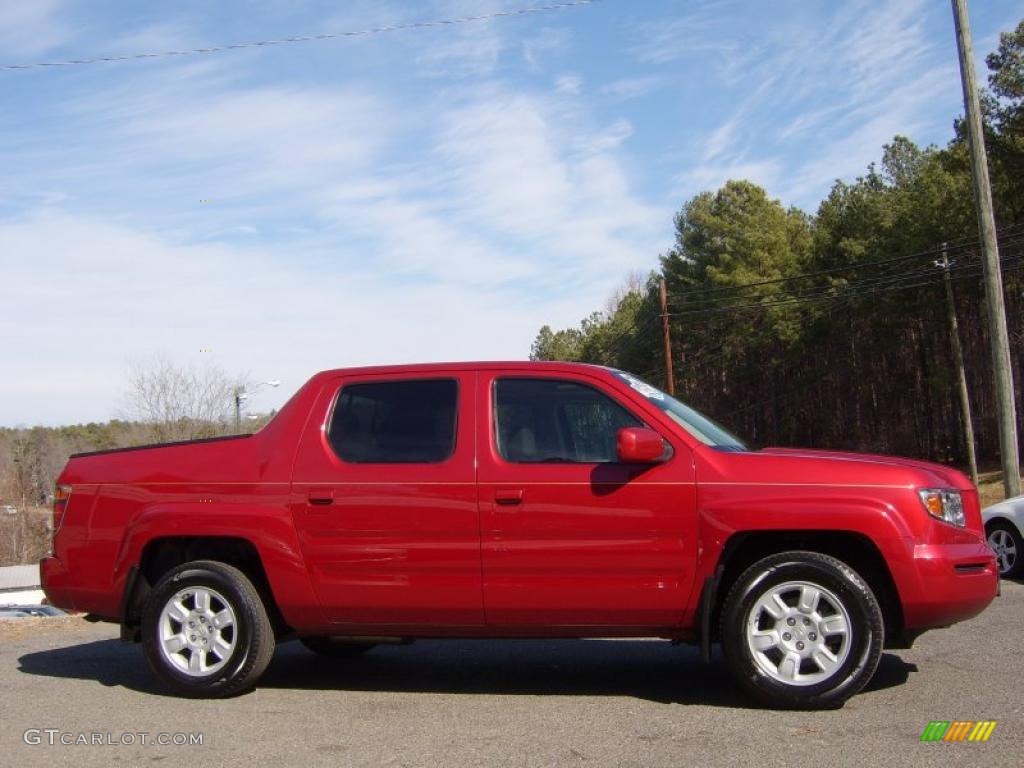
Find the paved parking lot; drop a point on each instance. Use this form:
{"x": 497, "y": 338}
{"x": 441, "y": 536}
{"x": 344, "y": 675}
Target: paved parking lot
{"x": 516, "y": 703}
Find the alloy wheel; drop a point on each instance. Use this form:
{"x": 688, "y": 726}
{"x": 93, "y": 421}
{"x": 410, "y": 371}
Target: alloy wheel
{"x": 799, "y": 633}
{"x": 197, "y": 629}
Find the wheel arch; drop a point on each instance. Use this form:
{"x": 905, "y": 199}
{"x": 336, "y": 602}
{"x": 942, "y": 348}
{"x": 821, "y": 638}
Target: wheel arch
{"x": 260, "y": 540}
{"x": 744, "y": 548}
{"x": 1008, "y": 519}
{"x": 161, "y": 554}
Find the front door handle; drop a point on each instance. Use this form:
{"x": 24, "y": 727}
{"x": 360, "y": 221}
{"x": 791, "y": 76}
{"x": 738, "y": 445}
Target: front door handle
{"x": 508, "y": 498}
{"x": 322, "y": 497}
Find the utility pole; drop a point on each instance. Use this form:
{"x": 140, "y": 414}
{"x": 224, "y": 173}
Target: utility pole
{"x": 239, "y": 396}
{"x": 958, "y": 361}
{"x": 670, "y": 383}
{"x": 241, "y": 392}
{"x": 1002, "y": 373}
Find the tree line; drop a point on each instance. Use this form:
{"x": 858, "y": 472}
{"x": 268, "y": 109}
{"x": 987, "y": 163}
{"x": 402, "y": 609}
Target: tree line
{"x": 831, "y": 330}
{"x": 162, "y": 402}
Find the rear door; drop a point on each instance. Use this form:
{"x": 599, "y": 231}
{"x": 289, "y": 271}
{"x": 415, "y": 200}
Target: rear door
{"x": 384, "y": 500}
{"x": 570, "y": 537}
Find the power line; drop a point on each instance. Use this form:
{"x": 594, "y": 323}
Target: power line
{"x": 808, "y": 382}
{"x": 708, "y": 355}
{"x": 621, "y": 342}
{"x": 837, "y": 302}
{"x": 953, "y": 246}
{"x": 821, "y": 291}
{"x": 310, "y": 38}
{"x": 870, "y": 287}
{"x": 626, "y": 339}
{"x": 834, "y": 298}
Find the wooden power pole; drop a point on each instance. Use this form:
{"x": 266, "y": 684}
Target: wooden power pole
{"x": 670, "y": 382}
{"x": 1002, "y": 373}
{"x": 958, "y": 361}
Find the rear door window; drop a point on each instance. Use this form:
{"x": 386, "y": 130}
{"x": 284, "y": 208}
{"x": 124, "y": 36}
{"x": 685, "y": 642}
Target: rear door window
{"x": 395, "y": 422}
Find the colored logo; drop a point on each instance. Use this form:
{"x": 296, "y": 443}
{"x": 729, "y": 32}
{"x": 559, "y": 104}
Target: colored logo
{"x": 958, "y": 730}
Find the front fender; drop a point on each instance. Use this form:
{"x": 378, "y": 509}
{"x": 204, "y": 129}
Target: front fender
{"x": 802, "y": 510}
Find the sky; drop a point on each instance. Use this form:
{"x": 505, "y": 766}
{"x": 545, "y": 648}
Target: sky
{"x": 427, "y": 194}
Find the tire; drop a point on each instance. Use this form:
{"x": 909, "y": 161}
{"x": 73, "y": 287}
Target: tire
{"x": 795, "y": 654}
{"x": 323, "y": 645}
{"x": 233, "y": 640}
{"x": 1005, "y": 540}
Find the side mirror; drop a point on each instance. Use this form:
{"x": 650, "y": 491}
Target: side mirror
{"x": 639, "y": 445}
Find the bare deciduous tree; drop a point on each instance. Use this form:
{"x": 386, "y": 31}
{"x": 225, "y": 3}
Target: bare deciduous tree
{"x": 634, "y": 283}
{"x": 180, "y": 403}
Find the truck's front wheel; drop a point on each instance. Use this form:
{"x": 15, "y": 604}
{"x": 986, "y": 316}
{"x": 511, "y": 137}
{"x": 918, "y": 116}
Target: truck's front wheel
{"x": 801, "y": 630}
{"x": 205, "y": 631}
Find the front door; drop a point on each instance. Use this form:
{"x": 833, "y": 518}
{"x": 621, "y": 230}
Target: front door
{"x": 384, "y": 496}
{"x": 570, "y": 537}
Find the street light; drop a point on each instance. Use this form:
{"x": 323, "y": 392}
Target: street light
{"x": 241, "y": 394}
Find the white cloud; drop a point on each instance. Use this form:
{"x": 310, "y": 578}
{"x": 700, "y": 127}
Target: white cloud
{"x": 507, "y": 167}
{"x": 463, "y": 50}
{"x": 507, "y": 210}
{"x": 627, "y": 88}
{"x": 163, "y": 36}
{"x": 514, "y": 173}
{"x": 605, "y": 140}
{"x": 116, "y": 292}
{"x": 465, "y": 55}
{"x": 32, "y": 28}
{"x": 721, "y": 140}
{"x": 710, "y": 176}
{"x": 899, "y": 112}
{"x": 365, "y": 215}
{"x": 570, "y": 85}
{"x": 162, "y": 144}
{"x": 665, "y": 41}
{"x": 541, "y": 46}
{"x": 814, "y": 99}
{"x": 261, "y": 137}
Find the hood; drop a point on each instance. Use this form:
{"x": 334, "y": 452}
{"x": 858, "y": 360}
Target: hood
{"x": 929, "y": 473}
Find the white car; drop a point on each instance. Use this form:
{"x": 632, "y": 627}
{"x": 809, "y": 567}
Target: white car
{"x": 1003, "y": 525}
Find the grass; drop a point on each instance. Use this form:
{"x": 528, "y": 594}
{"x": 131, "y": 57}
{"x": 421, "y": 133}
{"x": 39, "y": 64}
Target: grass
{"x": 990, "y": 488}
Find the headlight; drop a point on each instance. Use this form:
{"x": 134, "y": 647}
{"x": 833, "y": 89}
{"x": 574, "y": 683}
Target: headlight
{"x": 946, "y": 505}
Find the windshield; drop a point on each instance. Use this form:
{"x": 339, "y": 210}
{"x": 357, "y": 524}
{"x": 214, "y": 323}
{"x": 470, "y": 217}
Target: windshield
{"x": 698, "y": 425}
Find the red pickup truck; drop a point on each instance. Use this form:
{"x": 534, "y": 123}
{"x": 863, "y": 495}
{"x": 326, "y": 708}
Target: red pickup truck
{"x": 513, "y": 500}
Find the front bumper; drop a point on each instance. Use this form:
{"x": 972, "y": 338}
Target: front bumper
{"x": 952, "y": 582}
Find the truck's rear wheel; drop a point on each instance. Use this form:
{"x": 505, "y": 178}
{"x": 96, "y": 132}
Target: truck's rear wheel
{"x": 205, "y": 631}
{"x": 801, "y": 630}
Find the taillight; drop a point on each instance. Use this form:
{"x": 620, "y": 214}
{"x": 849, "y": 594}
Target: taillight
{"x": 61, "y": 496}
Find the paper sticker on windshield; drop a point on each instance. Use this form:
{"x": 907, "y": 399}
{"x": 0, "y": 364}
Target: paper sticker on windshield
{"x": 644, "y": 388}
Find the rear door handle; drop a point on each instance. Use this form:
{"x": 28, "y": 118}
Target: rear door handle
{"x": 508, "y": 498}
{"x": 321, "y": 497}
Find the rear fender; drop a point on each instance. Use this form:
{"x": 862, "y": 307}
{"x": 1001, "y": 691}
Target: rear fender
{"x": 269, "y": 529}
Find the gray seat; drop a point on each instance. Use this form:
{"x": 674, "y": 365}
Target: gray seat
{"x": 522, "y": 446}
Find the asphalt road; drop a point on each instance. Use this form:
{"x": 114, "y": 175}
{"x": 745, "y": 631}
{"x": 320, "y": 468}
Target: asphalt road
{"x": 515, "y": 703}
